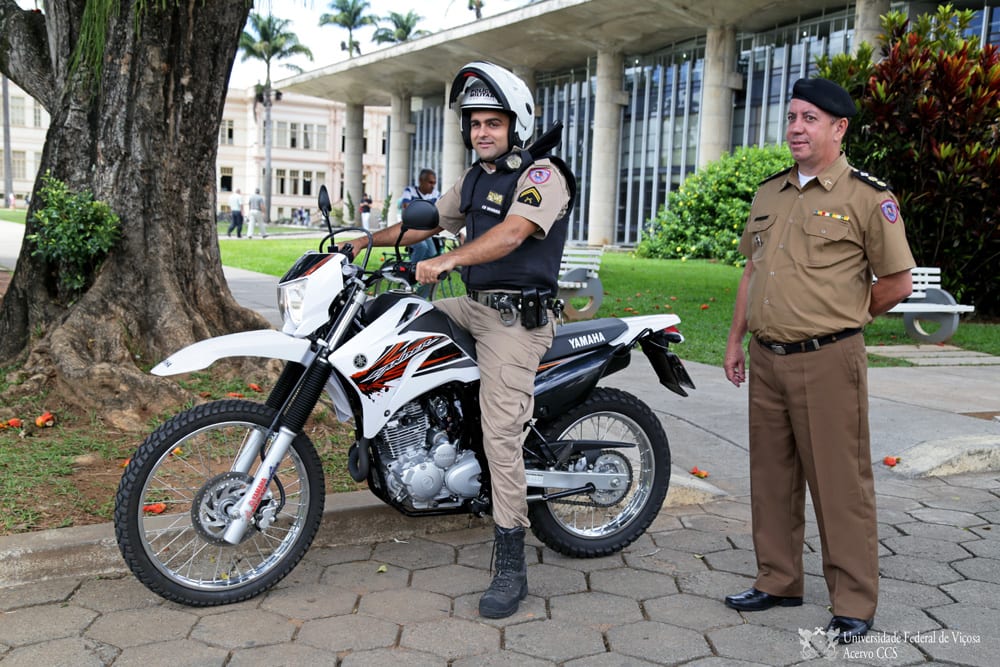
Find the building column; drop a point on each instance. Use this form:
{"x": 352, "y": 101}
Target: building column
{"x": 717, "y": 94}
{"x": 602, "y": 209}
{"x": 867, "y": 24}
{"x": 354, "y": 146}
{"x": 454, "y": 155}
{"x": 399, "y": 151}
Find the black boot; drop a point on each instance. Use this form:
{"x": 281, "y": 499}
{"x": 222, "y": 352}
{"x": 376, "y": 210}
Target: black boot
{"x": 510, "y": 583}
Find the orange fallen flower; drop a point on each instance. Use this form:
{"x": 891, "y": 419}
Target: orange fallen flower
{"x": 892, "y": 460}
{"x": 699, "y": 473}
{"x": 124, "y": 464}
{"x": 254, "y": 386}
{"x": 205, "y": 394}
{"x": 704, "y": 306}
{"x": 155, "y": 508}
{"x": 44, "y": 420}
{"x": 235, "y": 394}
{"x": 14, "y": 422}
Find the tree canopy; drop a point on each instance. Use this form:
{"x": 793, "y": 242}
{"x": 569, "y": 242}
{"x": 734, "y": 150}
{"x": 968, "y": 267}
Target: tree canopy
{"x": 349, "y": 15}
{"x": 403, "y": 28}
{"x": 268, "y": 39}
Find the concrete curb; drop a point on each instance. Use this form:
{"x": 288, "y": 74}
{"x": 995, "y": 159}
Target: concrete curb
{"x": 951, "y": 456}
{"x": 349, "y": 518}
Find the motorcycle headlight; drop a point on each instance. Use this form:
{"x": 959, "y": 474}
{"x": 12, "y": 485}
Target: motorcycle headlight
{"x": 291, "y": 300}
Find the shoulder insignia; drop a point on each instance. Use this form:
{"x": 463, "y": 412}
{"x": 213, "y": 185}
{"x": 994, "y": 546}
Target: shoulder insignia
{"x": 774, "y": 176}
{"x": 531, "y": 197}
{"x": 868, "y": 179}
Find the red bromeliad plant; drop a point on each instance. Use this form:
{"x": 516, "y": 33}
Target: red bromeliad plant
{"x": 929, "y": 124}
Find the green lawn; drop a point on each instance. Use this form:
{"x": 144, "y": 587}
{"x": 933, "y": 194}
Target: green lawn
{"x": 701, "y": 293}
{"x": 13, "y": 215}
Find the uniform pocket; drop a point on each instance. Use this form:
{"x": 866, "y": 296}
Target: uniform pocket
{"x": 823, "y": 236}
{"x": 517, "y": 395}
{"x": 760, "y": 229}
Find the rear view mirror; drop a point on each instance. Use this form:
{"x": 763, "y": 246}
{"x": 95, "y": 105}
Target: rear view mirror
{"x": 421, "y": 215}
{"x": 324, "y": 201}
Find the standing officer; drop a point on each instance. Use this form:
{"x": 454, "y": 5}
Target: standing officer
{"x": 816, "y": 235}
{"x": 514, "y": 204}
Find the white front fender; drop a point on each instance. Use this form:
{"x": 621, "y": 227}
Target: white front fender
{"x": 266, "y": 343}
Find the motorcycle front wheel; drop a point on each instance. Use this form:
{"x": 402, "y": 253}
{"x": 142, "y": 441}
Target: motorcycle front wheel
{"x": 172, "y": 503}
{"x": 599, "y": 523}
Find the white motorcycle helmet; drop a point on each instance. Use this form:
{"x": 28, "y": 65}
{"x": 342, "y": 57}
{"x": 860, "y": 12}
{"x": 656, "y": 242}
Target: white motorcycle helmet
{"x": 483, "y": 85}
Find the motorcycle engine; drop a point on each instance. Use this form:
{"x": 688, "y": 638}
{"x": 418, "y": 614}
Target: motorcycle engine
{"x": 423, "y": 465}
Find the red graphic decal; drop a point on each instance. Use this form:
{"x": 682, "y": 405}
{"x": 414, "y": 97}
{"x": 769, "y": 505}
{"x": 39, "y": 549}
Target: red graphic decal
{"x": 391, "y": 365}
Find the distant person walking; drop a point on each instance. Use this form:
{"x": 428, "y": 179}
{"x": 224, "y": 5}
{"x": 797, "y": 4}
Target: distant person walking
{"x": 256, "y": 208}
{"x": 236, "y": 214}
{"x": 366, "y": 210}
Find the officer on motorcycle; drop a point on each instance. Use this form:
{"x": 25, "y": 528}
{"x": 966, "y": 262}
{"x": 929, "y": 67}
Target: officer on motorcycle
{"x": 514, "y": 205}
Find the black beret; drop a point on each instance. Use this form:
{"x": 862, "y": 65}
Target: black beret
{"x": 825, "y": 94}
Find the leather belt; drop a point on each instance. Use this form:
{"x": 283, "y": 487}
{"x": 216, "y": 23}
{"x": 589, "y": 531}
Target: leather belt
{"x": 809, "y": 345}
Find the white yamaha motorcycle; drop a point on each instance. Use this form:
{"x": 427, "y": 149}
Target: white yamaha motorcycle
{"x": 221, "y": 502}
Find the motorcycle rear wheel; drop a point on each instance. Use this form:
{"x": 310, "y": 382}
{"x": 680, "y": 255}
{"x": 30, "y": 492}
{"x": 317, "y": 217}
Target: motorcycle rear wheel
{"x": 602, "y": 523}
{"x": 170, "y": 510}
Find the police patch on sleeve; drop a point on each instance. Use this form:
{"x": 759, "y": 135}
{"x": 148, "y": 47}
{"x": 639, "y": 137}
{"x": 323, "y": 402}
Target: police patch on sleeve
{"x": 889, "y": 210}
{"x": 539, "y": 175}
{"x": 531, "y": 197}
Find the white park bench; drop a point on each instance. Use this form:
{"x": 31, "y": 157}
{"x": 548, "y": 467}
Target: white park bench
{"x": 578, "y": 279}
{"x": 930, "y": 304}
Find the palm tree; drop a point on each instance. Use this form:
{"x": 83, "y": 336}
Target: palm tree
{"x": 267, "y": 40}
{"x": 403, "y": 28}
{"x": 350, "y": 15}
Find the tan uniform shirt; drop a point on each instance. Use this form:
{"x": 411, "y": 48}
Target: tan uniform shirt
{"x": 815, "y": 249}
{"x": 541, "y": 196}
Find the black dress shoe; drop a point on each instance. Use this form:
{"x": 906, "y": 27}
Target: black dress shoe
{"x": 754, "y": 600}
{"x": 849, "y": 629}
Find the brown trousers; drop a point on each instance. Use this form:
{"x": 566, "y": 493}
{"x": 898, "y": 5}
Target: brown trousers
{"x": 809, "y": 424}
{"x": 508, "y": 360}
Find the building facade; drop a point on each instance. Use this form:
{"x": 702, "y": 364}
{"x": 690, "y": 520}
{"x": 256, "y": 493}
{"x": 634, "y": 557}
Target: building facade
{"x": 307, "y": 150}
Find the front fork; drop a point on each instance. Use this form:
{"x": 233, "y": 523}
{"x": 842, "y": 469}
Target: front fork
{"x": 304, "y": 397}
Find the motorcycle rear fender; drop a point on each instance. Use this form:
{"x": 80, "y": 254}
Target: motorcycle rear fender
{"x": 668, "y": 366}
{"x": 265, "y": 343}
{"x": 638, "y": 324}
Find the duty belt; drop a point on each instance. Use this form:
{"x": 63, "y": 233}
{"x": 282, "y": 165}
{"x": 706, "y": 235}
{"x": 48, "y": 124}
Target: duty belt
{"x": 809, "y": 345}
{"x": 510, "y": 302}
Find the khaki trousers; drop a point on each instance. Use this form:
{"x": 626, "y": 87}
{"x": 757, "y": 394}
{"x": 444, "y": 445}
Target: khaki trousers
{"x": 508, "y": 359}
{"x": 809, "y": 425}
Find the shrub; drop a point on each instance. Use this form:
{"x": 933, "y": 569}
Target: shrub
{"x": 929, "y": 123}
{"x": 705, "y": 217}
{"x": 74, "y": 234}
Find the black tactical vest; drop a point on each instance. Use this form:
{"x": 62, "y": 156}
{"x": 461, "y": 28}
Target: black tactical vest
{"x": 486, "y": 199}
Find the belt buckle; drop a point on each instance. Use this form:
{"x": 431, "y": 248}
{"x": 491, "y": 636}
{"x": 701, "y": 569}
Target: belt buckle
{"x": 778, "y": 349}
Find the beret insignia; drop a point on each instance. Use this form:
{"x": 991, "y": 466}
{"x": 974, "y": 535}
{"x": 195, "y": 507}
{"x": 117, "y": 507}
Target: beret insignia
{"x": 868, "y": 179}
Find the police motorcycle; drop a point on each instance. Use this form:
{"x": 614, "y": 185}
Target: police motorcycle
{"x": 220, "y": 502}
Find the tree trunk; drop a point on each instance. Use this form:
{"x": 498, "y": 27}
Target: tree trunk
{"x": 144, "y": 139}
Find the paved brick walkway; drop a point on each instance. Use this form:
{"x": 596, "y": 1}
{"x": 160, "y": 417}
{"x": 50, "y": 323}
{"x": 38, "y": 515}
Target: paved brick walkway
{"x": 659, "y": 602}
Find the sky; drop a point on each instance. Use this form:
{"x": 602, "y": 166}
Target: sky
{"x": 325, "y": 42}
